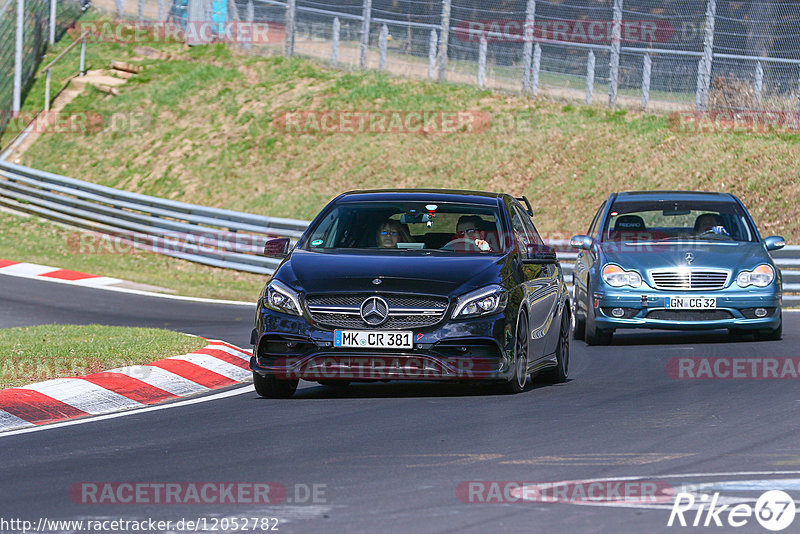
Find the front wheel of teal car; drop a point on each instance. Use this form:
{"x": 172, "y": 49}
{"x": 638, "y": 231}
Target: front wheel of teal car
{"x": 274, "y": 388}
{"x": 770, "y": 335}
{"x": 592, "y": 334}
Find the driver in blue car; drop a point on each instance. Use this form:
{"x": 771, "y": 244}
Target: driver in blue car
{"x": 391, "y": 232}
{"x": 709, "y": 223}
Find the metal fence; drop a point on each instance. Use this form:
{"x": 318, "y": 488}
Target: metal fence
{"x": 26, "y": 27}
{"x": 672, "y": 54}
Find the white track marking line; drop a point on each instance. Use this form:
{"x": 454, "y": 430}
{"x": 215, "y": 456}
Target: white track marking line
{"x": 187, "y": 402}
{"x": 83, "y": 395}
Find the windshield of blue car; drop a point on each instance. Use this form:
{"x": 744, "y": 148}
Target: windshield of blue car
{"x": 678, "y": 221}
{"x": 411, "y": 226}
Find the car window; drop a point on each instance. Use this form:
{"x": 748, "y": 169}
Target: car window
{"x": 593, "y": 227}
{"x": 670, "y": 220}
{"x": 521, "y": 233}
{"x": 530, "y": 229}
{"x": 447, "y": 227}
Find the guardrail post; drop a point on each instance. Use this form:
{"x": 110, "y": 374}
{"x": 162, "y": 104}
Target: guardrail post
{"x": 17, "y": 98}
{"x": 382, "y": 43}
{"x": 337, "y": 27}
{"x": 759, "y": 81}
{"x": 140, "y": 11}
{"x": 590, "y": 62}
{"x": 250, "y": 15}
{"x": 616, "y": 43}
{"x": 366, "y": 14}
{"x": 537, "y": 65}
{"x": 120, "y": 7}
{"x": 432, "y": 54}
{"x": 444, "y": 38}
{"x": 161, "y": 11}
{"x": 52, "y": 22}
{"x": 798, "y": 94}
{"x": 647, "y": 69}
{"x": 704, "y": 71}
{"x": 527, "y": 49}
{"x": 482, "y": 61}
{"x": 291, "y": 12}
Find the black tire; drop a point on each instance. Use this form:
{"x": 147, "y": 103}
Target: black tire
{"x": 516, "y": 384}
{"x": 579, "y": 328}
{"x": 592, "y": 334}
{"x": 770, "y": 335}
{"x": 334, "y": 383}
{"x": 274, "y": 388}
{"x": 558, "y": 374}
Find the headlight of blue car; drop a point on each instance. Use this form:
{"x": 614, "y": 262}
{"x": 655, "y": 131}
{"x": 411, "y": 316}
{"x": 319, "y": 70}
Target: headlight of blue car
{"x": 761, "y": 276}
{"x": 280, "y": 297}
{"x": 484, "y": 301}
{"x": 616, "y": 276}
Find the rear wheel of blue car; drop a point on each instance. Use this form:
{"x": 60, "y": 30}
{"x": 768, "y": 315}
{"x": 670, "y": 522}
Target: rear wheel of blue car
{"x": 517, "y": 382}
{"x": 559, "y": 373}
{"x": 274, "y": 388}
{"x": 579, "y": 321}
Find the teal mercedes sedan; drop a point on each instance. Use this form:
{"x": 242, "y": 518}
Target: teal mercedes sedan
{"x": 676, "y": 260}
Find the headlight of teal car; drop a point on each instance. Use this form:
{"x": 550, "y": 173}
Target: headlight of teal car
{"x": 616, "y": 276}
{"x": 280, "y": 297}
{"x": 761, "y": 276}
{"x": 483, "y": 301}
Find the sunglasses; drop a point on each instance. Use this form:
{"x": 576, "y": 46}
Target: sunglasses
{"x": 390, "y": 233}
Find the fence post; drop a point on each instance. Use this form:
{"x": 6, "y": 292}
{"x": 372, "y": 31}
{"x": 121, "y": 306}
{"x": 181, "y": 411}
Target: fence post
{"x": 290, "y": 27}
{"x": 647, "y": 69}
{"x": 482, "y": 61}
{"x": 616, "y": 42}
{"x": 537, "y": 64}
{"x": 17, "y": 99}
{"x": 52, "y": 22}
{"x": 47, "y": 92}
{"x": 527, "y": 48}
{"x": 161, "y": 12}
{"x": 83, "y": 57}
{"x": 704, "y": 72}
{"x": 365, "y": 20}
{"x": 140, "y": 11}
{"x": 432, "y": 54}
{"x": 798, "y": 95}
{"x": 250, "y": 15}
{"x": 120, "y": 7}
{"x": 590, "y": 77}
{"x": 443, "y": 40}
{"x": 759, "y": 85}
{"x": 698, "y": 97}
{"x": 337, "y": 27}
{"x": 382, "y": 43}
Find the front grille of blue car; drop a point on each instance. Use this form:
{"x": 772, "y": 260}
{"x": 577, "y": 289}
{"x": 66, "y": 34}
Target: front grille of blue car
{"x": 690, "y": 315}
{"x": 690, "y": 279}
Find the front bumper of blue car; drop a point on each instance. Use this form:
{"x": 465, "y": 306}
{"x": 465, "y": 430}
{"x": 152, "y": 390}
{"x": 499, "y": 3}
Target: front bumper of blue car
{"x": 644, "y": 307}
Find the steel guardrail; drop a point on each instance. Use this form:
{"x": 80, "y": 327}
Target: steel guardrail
{"x": 211, "y": 236}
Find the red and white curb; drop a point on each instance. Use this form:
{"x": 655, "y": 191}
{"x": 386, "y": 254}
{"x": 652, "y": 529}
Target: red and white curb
{"x": 217, "y": 365}
{"x": 33, "y": 270}
{"x": 66, "y": 276}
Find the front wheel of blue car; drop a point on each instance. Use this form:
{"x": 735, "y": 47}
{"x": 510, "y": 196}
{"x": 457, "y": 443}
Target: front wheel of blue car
{"x": 274, "y": 388}
{"x": 592, "y": 334}
{"x": 770, "y": 335}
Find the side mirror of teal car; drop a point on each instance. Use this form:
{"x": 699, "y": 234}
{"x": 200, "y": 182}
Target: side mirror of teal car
{"x": 774, "y": 242}
{"x": 581, "y": 241}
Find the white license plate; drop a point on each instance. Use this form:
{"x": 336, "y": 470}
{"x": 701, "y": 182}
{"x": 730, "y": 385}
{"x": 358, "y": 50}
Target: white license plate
{"x": 690, "y": 303}
{"x": 379, "y": 339}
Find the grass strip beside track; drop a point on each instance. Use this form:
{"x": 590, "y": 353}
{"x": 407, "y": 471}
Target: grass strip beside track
{"x": 35, "y": 353}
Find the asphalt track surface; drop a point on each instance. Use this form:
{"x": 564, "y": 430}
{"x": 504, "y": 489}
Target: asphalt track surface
{"x": 391, "y": 456}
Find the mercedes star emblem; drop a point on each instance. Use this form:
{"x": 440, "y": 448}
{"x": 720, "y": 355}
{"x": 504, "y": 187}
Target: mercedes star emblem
{"x": 374, "y": 311}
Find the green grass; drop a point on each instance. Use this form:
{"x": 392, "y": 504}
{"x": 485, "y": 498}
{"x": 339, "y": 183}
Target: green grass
{"x": 35, "y": 353}
{"x": 206, "y": 132}
{"x": 35, "y": 240}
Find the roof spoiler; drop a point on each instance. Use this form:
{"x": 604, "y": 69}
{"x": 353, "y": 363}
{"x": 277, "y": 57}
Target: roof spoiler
{"x": 527, "y": 203}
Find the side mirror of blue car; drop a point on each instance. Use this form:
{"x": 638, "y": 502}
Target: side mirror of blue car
{"x": 581, "y": 241}
{"x": 774, "y": 242}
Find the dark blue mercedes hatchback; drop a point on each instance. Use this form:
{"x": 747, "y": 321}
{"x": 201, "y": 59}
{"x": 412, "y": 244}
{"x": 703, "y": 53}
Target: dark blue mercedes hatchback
{"x": 413, "y": 285}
